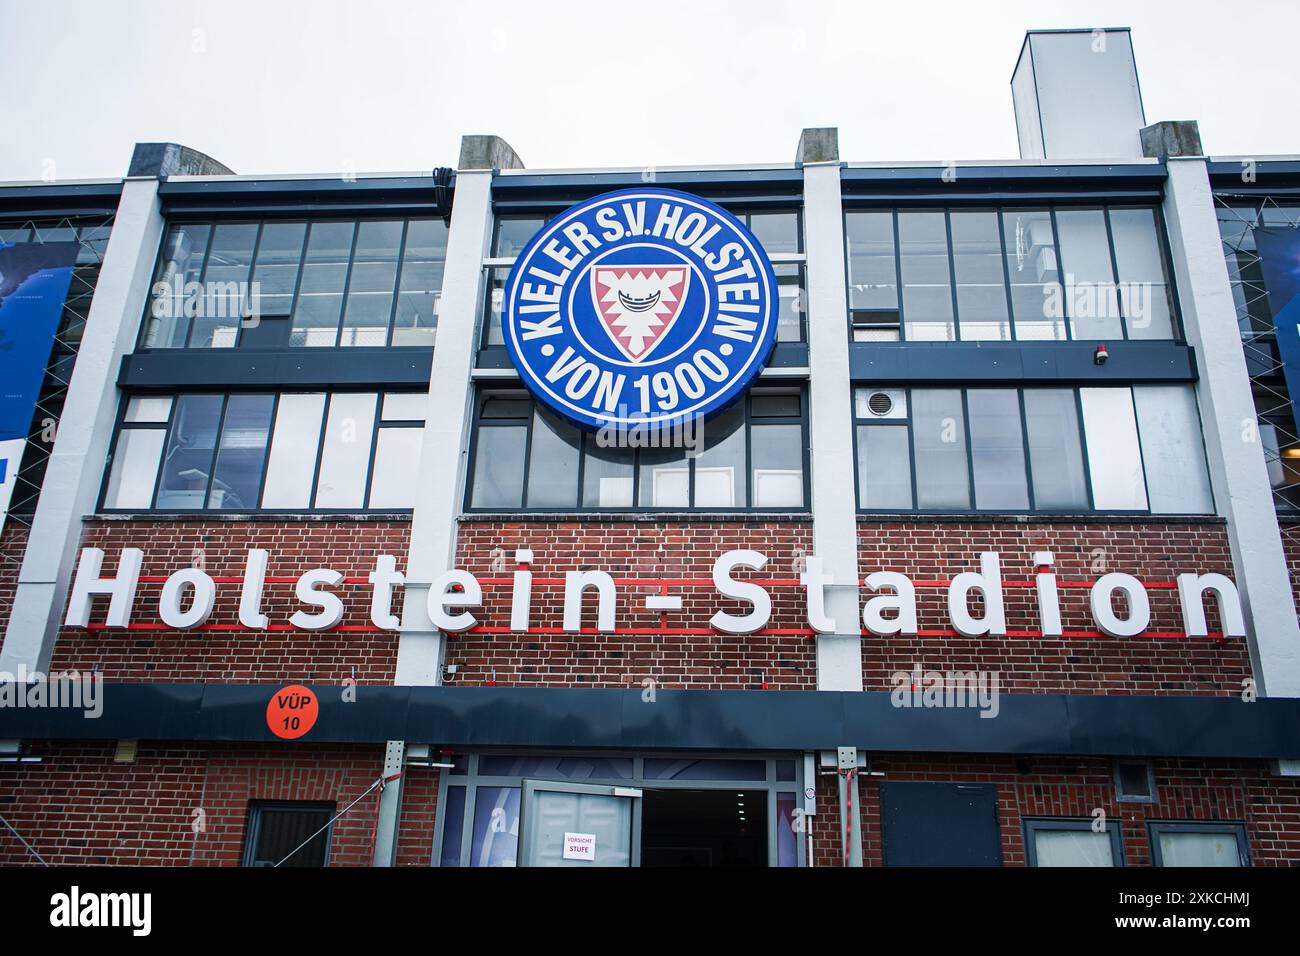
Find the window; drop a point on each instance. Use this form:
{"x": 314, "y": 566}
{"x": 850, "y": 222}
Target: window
{"x": 289, "y": 834}
{"x": 1062, "y": 842}
{"x": 751, "y": 457}
{"x": 1198, "y": 844}
{"x": 1123, "y": 449}
{"x": 780, "y": 233}
{"x": 1028, "y": 274}
{"x": 1135, "y": 781}
{"x": 342, "y": 451}
{"x": 273, "y": 284}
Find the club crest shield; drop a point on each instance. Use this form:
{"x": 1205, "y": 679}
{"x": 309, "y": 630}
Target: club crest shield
{"x": 640, "y": 307}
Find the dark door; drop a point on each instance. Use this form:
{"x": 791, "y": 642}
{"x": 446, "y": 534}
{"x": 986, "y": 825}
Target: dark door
{"x": 940, "y": 824}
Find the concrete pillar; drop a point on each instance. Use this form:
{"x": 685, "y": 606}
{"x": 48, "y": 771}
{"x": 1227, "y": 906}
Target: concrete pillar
{"x": 440, "y": 485}
{"x": 834, "y": 494}
{"x": 445, "y": 444}
{"x": 76, "y": 465}
{"x": 1237, "y": 469}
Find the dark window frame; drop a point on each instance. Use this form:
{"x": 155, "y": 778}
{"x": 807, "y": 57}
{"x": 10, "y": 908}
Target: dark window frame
{"x": 1237, "y": 828}
{"x": 121, "y": 425}
{"x": 1031, "y": 826}
{"x": 256, "y": 811}
{"x": 1123, "y": 797}
{"x": 260, "y": 222}
{"x": 1162, "y": 237}
{"x": 478, "y": 422}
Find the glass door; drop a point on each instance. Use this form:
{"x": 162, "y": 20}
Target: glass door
{"x": 576, "y": 824}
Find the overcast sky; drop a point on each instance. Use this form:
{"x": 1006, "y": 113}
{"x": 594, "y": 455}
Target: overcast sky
{"x": 271, "y": 86}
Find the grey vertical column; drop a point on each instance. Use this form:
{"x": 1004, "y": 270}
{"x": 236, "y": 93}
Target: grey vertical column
{"x": 834, "y": 497}
{"x": 445, "y": 443}
{"x": 75, "y": 469}
{"x": 1237, "y": 468}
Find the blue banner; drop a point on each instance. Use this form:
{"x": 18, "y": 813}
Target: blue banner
{"x": 1279, "y": 260}
{"x": 34, "y": 280}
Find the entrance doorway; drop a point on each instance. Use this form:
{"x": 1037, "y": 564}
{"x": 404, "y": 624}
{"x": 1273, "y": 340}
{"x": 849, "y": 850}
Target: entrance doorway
{"x": 704, "y": 828}
{"x": 614, "y": 809}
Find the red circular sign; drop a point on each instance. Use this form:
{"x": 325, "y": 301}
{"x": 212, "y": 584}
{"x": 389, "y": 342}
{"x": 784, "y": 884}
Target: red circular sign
{"x": 292, "y": 711}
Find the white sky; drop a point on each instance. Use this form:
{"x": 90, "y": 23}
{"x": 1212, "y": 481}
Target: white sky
{"x": 271, "y": 86}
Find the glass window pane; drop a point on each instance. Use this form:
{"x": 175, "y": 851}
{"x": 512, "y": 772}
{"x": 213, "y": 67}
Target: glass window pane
{"x": 1199, "y": 849}
{"x": 997, "y": 449}
{"x": 665, "y": 478}
{"x": 776, "y": 231}
{"x": 142, "y": 409}
{"x": 513, "y": 234}
{"x": 787, "y": 842}
{"x": 393, "y": 478}
{"x": 884, "y": 468}
{"x": 927, "y": 285}
{"x": 420, "y": 287}
{"x": 1114, "y": 460}
{"x": 1091, "y": 300}
{"x": 1072, "y": 848}
{"x": 495, "y": 840}
{"x": 1143, "y": 275}
{"x": 685, "y": 768}
{"x": 324, "y": 273}
{"x": 1172, "y": 452}
{"x": 939, "y": 439}
{"x": 453, "y": 822}
{"x": 496, "y": 407}
{"x": 777, "y": 454}
{"x": 774, "y": 405}
{"x": 238, "y": 478}
{"x": 873, "y": 276}
{"x": 279, "y": 253}
{"x": 1055, "y": 449}
{"x": 607, "y": 476}
{"x": 292, "y": 464}
{"x": 789, "y": 319}
{"x": 135, "y": 468}
{"x": 1035, "y": 276}
{"x": 494, "y": 296}
{"x": 188, "y": 461}
{"x": 225, "y": 283}
{"x": 981, "y": 286}
{"x": 180, "y": 265}
{"x": 585, "y": 767}
{"x": 553, "y": 463}
{"x": 405, "y": 406}
{"x": 499, "y": 467}
{"x": 370, "y": 286}
{"x": 345, "y": 456}
{"x": 720, "y": 468}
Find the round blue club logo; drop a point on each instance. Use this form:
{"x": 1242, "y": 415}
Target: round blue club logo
{"x": 640, "y": 307}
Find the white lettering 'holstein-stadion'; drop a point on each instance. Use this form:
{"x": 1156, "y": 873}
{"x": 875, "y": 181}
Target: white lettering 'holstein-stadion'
{"x": 189, "y": 597}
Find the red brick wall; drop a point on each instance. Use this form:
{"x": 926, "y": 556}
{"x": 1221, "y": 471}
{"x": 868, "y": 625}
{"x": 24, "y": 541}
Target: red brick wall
{"x": 629, "y": 550}
{"x": 79, "y": 807}
{"x": 241, "y": 656}
{"x": 13, "y": 543}
{"x": 929, "y": 551}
